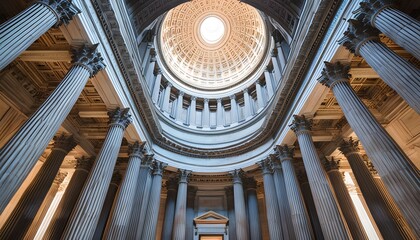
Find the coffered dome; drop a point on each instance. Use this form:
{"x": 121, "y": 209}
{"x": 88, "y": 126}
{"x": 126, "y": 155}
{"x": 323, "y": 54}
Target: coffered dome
{"x": 212, "y": 44}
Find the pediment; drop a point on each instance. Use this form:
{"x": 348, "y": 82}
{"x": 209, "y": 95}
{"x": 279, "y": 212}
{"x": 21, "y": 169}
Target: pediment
{"x": 211, "y": 217}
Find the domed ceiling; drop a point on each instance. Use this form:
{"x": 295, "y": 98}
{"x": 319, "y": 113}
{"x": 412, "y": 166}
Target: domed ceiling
{"x": 212, "y": 44}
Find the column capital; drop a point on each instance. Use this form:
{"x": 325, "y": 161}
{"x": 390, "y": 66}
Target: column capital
{"x": 273, "y": 53}
{"x": 184, "y": 175}
{"x": 371, "y": 168}
{"x": 237, "y": 175}
{"x": 181, "y": 93}
{"x": 349, "y": 147}
{"x": 171, "y": 184}
{"x": 285, "y": 152}
{"x": 147, "y": 161}
{"x": 206, "y": 100}
{"x": 84, "y": 163}
{"x": 245, "y": 91}
{"x": 89, "y": 58}
{"x": 169, "y": 85}
{"x": 369, "y": 9}
{"x": 116, "y": 178}
{"x": 219, "y": 100}
{"x": 334, "y": 73}
{"x": 357, "y": 34}
{"x": 265, "y": 165}
{"x": 59, "y": 178}
{"x": 136, "y": 149}
{"x": 64, "y": 10}
{"x": 232, "y": 97}
{"x": 64, "y": 143}
{"x": 331, "y": 164}
{"x": 250, "y": 183}
{"x": 158, "y": 167}
{"x": 301, "y": 124}
{"x": 120, "y": 117}
{"x": 193, "y": 98}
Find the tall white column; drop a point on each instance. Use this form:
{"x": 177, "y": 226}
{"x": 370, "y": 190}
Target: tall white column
{"x": 166, "y": 97}
{"x": 399, "y": 74}
{"x": 179, "y": 106}
{"x": 239, "y": 204}
{"x": 273, "y": 211}
{"x": 19, "y": 155}
{"x": 276, "y": 65}
{"x": 120, "y": 218}
{"x": 181, "y": 206}
{"x": 86, "y": 213}
{"x": 395, "y": 168}
{"x": 191, "y": 192}
{"x": 268, "y": 83}
{"x": 260, "y": 97}
{"x": 253, "y": 212}
{"x": 299, "y": 215}
{"x": 206, "y": 114}
{"x": 150, "y": 72}
{"x": 332, "y": 222}
{"x": 247, "y": 104}
{"x": 146, "y": 58}
{"x": 19, "y": 32}
{"x": 400, "y": 27}
{"x": 231, "y": 212}
{"x": 156, "y": 87}
{"x": 150, "y": 223}
{"x": 233, "y": 109}
{"x": 193, "y": 111}
{"x": 219, "y": 113}
{"x": 168, "y": 223}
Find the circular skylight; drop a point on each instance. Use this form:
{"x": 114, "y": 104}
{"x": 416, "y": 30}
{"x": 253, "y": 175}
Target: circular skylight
{"x": 212, "y": 29}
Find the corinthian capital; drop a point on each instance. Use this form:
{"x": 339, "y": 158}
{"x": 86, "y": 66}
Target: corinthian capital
{"x": 331, "y": 164}
{"x": 300, "y": 124}
{"x": 136, "y": 149}
{"x": 64, "y": 143}
{"x": 284, "y": 152}
{"x": 64, "y": 10}
{"x": 89, "y": 58}
{"x": 369, "y": 9}
{"x": 349, "y": 146}
{"x": 120, "y": 117}
{"x": 357, "y": 34}
{"x": 334, "y": 73}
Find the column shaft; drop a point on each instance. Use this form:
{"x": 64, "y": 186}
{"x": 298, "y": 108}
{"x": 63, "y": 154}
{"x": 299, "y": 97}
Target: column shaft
{"x": 181, "y": 207}
{"x": 247, "y": 104}
{"x": 156, "y": 87}
{"x": 239, "y": 204}
{"x": 193, "y": 111}
{"x": 120, "y": 218}
{"x": 206, "y": 114}
{"x": 179, "y": 106}
{"x": 219, "y": 113}
{"x": 231, "y": 212}
{"x": 253, "y": 212}
{"x": 68, "y": 200}
{"x": 191, "y": 192}
{"x": 233, "y": 109}
{"x": 168, "y": 223}
{"x": 260, "y": 97}
{"x": 166, "y": 98}
{"x": 268, "y": 83}
{"x": 19, "y": 155}
{"x": 310, "y": 205}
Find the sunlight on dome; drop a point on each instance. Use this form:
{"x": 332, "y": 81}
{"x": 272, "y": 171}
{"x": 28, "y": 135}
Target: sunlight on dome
{"x": 212, "y": 29}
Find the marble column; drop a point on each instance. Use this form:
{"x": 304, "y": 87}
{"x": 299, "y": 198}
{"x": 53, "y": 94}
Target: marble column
{"x": 233, "y": 109}
{"x": 283, "y": 202}
{"x": 166, "y": 97}
{"x": 344, "y": 199}
{"x": 310, "y": 205}
{"x": 273, "y": 211}
{"x": 300, "y": 218}
{"x": 231, "y": 212}
{"x": 150, "y": 223}
{"x": 156, "y": 87}
{"x": 400, "y": 27}
{"x": 247, "y": 104}
{"x": 147, "y": 56}
{"x": 206, "y": 114}
{"x": 395, "y": 168}
{"x": 144, "y": 183}
{"x": 171, "y": 189}
{"x": 253, "y": 212}
{"x": 179, "y": 106}
{"x": 178, "y": 232}
{"x": 332, "y": 222}
{"x": 24, "y": 213}
{"x": 385, "y": 213}
{"x": 239, "y": 204}
{"x": 19, "y": 32}
{"x": 260, "y": 97}
{"x": 68, "y": 200}
{"x": 276, "y": 65}
{"x": 20, "y": 154}
{"x": 46, "y": 204}
{"x": 86, "y": 213}
{"x": 191, "y": 192}
{"x": 268, "y": 83}
{"x": 120, "y": 217}
{"x": 219, "y": 113}
{"x": 107, "y": 206}
{"x": 396, "y": 72}
{"x": 193, "y": 111}
{"x": 150, "y": 71}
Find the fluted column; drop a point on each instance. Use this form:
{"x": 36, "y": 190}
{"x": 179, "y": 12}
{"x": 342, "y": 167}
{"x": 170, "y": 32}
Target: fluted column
{"x": 19, "y": 32}
{"x": 343, "y": 197}
{"x": 120, "y": 218}
{"x": 400, "y": 27}
{"x": 86, "y": 213}
{"x": 206, "y": 114}
{"x": 276, "y": 66}
{"x": 260, "y": 97}
{"x": 150, "y": 70}
{"x": 20, "y": 154}
{"x": 394, "y": 167}
{"x": 181, "y": 206}
{"x": 332, "y": 223}
{"x": 247, "y": 104}
{"x": 253, "y": 212}
{"x": 46, "y": 204}
{"x": 300, "y": 218}
{"x": 166, "y": 97}
{"x": 150, "y": 223}
{"x": 68, "y": 200}
{"x": 144, "y": 184}
{"x": 107, "y": 206}
{"x": 398, "y": 73}
{"x": 239, "y": 204}
{"x": 24, "y": 213}
{"x": 193, "y": 111}
{"x": 268, "y": 83}
{"x": 231, "y": 212}
{"x": 179, "y": 106}
{"x": 233, "y": 109}
{"x": 171, "y": 187}
{"x": 146, "y": 58}
{"x": 191, "y": 192}
{"x": 156, "y": 87}
{"x": 386, "y": 214}
{"x": 219, "y": 113}
{"x": 273, "y": 211}
{"x": 283, "y": 202}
